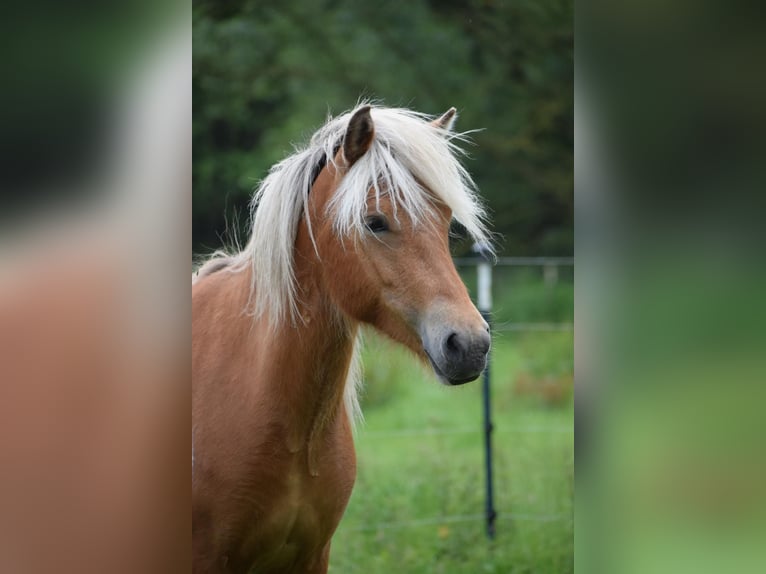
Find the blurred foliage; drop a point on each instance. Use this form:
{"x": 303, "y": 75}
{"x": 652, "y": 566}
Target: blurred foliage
{"x": 419, "y": 495}
{"x": 546, "y": 372}
{"x": 547, "y": 354}
{"x": 266, "y": 73}
{"x": 388, "y": 369}
{"x": 66, "y": 68}
{"x": 520, "y": 294}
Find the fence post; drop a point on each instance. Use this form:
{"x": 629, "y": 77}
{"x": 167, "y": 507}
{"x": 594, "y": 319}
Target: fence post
{"x": 484, "y": 276}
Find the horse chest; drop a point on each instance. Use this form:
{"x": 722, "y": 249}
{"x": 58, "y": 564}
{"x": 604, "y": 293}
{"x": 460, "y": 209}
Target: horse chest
{"x": 295, "y": 524}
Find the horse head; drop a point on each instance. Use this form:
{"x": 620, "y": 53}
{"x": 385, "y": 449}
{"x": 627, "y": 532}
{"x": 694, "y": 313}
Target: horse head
{"x": 384, "y": 251}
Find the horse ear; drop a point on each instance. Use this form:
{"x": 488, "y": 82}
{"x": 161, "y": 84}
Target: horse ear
{"x": 359, "y": 135}
{"x": 446, "y": 121}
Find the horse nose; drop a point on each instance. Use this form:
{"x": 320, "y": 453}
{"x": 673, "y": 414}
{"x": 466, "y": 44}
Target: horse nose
{"x": 466, "y": 351}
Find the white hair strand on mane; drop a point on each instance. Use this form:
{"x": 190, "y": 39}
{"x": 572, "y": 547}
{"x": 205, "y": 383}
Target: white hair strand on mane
{"x": 407, "y": 151}
{"x": 409, "y": 158}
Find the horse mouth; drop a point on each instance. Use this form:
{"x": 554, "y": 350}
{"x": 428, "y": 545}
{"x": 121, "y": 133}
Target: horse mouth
{"x": 448, "y": 380}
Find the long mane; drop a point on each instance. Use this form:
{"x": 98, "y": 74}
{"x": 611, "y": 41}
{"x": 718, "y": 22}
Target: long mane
{"x": 408, "y": 156}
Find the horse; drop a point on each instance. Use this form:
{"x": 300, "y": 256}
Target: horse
{"x": 350, "y": 230}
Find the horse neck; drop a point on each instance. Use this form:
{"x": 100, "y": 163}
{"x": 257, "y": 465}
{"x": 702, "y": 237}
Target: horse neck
{"x": 315, "y": 353}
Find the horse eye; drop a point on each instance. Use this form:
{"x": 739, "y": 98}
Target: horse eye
{"x": 376, "y": 223}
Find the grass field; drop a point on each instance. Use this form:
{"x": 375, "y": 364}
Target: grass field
{"x": 419, "y": 497}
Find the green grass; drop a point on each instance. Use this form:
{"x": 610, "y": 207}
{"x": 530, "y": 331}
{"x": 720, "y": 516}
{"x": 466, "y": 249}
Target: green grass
{"x": 409, "y": 484}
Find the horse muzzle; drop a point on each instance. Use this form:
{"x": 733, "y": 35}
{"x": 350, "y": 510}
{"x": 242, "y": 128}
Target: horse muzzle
{"x": 458, "y": 354}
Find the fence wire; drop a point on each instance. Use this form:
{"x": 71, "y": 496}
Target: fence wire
{"x": 468, "y": 430}
{"x": 538, "y": 327}
{"x": 505, "y": 326}
{"x": 544, "y": 262}
{"x": 440, "y": 520}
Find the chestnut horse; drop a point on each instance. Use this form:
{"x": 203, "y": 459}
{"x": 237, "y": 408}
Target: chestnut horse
{"x": 352, "y": 229}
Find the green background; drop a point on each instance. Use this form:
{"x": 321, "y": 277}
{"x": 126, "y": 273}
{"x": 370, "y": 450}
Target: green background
{"x": 266, "y": 73}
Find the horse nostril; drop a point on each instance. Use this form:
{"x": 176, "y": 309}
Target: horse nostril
{"x": 452, "y": 345}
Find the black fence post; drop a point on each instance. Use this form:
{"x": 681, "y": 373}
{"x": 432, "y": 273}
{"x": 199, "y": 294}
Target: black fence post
{"x": 484, "y": 272}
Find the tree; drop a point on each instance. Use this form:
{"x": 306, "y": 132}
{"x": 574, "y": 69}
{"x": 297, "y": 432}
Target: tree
{"x": 266, "y": 73}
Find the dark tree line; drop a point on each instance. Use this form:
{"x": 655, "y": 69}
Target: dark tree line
{"x": 265, "y": 74}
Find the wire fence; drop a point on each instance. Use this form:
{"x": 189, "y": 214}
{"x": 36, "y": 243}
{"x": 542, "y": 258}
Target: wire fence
{"x": 452, "y": 519}
{"x": 458, "y": 518}
{"x": 470, "y": 430}
{"x": 519, "y": 261}
{"x": 550, "y": 269}
{"x": 533, "y": 327}
{"x": 550, "y": 266}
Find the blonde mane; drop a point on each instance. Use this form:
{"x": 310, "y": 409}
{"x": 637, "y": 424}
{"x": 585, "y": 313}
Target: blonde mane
{"x": 408, "y": 156}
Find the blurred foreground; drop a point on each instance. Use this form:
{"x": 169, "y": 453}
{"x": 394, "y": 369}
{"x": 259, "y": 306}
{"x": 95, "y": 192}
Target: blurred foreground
{"x": 94, "y": 296}
{"x": 669, "y": 172}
